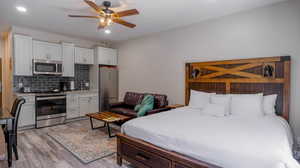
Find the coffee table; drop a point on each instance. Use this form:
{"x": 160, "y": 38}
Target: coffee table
{"x": 106, "y": 117}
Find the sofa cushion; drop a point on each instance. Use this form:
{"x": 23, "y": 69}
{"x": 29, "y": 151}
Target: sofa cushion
{"x": 160, "y": 101}
{"x": 124, "y": 111}
{"x": 132, "y": 98}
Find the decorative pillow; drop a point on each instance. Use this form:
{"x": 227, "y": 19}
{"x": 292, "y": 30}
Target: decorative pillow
{"x": 199, "y": 99}
{"x": 269, "y": 104}
{"x": 146, "y": 105}
{"x": 247, "y": 104}
{"x": 222, "y": 100}
{"x": 217, "y": 110}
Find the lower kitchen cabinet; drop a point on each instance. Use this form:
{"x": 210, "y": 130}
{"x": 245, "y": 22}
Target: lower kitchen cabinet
{"x": 84, "y": 105}
{"x": 79, "y": 105}
{"x": 27, "y": 113}
{"x": 94, "y": 104}
{"x": 88, "y": 104}
{"x": 72, "y": 106}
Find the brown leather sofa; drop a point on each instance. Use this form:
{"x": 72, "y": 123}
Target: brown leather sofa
{"x": 131, "y": 99}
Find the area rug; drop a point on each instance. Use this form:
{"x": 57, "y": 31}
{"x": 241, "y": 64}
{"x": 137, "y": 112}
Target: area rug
{"x": 85, "y": 144}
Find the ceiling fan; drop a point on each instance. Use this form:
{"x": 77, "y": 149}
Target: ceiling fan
{"x": 107, "y": 16}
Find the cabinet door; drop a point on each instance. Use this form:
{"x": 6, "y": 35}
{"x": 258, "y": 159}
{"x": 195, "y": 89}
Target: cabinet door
{"x": 94, "y": 107}
{"x": 22, "y": 55}
{"x": 84, "y": 56}
{"x": 112, "y": 57}
{"x": 84, "y": 105}
{"x": 55, "y": 51}
{"x": 39, "y": 50}
{"x": 78, "y": 52}
{"x": 47, "y": 51}
{"x": 68, "y": 60}
{"x": 73, "y": 110}
{"x": 27, "y": 115}
{"x": 89, "y": 56}
{"x": 107, "y": 56}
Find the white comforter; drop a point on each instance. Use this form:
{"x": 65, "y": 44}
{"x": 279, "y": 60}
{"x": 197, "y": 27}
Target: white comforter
{"x": 230, "y": 142}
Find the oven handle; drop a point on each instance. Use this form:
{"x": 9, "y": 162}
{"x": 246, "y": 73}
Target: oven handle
{"x": 50, "y": 98}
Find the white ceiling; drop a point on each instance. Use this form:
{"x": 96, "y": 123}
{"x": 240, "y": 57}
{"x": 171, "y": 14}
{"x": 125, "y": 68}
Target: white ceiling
{"x": 155, "y": 15}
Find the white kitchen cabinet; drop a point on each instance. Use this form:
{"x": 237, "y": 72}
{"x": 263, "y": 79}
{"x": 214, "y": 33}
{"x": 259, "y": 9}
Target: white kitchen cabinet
{"x": 107, "y": 56}
{"x": 84, "y": 56}
{"x": 88, "y": 104}
{"x": 27, "y": 113}
{"x": 68, "y": 52}
{"x": 22, "y": 55}
{"x": 84, "y": 105}
{"x": 47, "y": 51}
{"x": 94, "y": 104}
{"x": 73, "y": 110}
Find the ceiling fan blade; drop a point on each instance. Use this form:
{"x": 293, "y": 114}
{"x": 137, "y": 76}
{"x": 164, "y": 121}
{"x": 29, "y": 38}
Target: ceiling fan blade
{"x": 128, "y": 13}
{"x": 93, "y": 5}
{"x": 82, "y": 16}
{"x": 124, "y": 23}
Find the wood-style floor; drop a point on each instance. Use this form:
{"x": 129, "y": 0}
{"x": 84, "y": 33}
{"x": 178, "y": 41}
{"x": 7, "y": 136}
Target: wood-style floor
{"x": 38, "y": 150}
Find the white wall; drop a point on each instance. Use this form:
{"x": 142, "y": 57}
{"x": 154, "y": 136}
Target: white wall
{"x": 155, "y": 63}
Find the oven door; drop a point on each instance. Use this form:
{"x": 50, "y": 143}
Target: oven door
{"x": 50, "y": 107}
{"x": 42, "y": 67}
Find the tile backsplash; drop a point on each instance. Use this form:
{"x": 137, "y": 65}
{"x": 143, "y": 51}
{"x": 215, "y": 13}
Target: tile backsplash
{"x": 47, "y": 82}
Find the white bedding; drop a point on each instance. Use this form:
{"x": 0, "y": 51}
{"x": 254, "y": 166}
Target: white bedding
{"x": 230, "y": 142}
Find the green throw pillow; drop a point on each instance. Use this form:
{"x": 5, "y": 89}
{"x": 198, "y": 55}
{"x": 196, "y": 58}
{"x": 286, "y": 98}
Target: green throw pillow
{"x": 137, "y": 107}
{"x": 146, "y": 105}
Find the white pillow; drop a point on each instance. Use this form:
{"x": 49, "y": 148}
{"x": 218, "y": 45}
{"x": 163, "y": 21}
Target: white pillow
{"x": 199, "y": 99}
{"x": 247, "y": 104}
{"x": 269, "y": 104}
{"x": 223, "y": 100}
{"x": 216, "y": 110}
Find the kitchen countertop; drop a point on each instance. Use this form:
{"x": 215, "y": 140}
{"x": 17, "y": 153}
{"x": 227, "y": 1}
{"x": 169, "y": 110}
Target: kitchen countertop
{"x": 67, "y": 92}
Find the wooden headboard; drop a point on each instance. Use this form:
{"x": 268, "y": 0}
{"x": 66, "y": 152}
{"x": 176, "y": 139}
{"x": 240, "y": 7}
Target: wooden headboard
{"x": 270, "y": 75}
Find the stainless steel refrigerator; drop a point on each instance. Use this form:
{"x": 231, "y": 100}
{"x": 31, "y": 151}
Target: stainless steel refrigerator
{"x": 108, "y": 81}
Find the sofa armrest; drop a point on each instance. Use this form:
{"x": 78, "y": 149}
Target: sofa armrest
{"x": 154, "y": 111}
{"x": 117, "y": 104}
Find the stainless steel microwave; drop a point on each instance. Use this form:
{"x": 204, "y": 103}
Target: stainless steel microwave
{"x": 47, "y": 67}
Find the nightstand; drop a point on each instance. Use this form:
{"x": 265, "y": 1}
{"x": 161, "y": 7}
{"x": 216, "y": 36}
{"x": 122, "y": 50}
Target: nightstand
{"x": 174, "y": 106}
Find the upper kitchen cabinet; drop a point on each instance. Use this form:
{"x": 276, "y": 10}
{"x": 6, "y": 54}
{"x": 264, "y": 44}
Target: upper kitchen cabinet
{"x": 84, "y": 56}
{"x": 68, "y": 59}
{"x": 107, "y": 56}
{"x": 22, "y": 55}
{"x": 47, "y": 51}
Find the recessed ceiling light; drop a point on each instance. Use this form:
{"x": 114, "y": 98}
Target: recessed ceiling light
{"x": 21, "y": 9}
{"x": 107, "y": 31}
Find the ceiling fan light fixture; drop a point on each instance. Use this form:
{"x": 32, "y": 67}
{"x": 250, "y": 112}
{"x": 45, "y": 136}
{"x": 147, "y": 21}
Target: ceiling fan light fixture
{"x": 109, "y": 21}
{"x": 107, "y": 16}
{"x": 21, "y": 9}
{"x": 102, "y": 20}
{"x": 107, "y": 31}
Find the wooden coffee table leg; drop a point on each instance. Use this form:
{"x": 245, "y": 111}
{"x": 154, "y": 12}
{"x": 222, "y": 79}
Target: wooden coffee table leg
{"x": 92, "y": 124}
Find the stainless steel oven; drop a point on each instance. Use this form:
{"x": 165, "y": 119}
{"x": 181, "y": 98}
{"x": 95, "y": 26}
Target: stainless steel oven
{"x": 50, "y": 110}
{"x": 47, "y": 67}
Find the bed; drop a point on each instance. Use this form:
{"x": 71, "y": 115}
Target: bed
{"x": 185, "y": 138}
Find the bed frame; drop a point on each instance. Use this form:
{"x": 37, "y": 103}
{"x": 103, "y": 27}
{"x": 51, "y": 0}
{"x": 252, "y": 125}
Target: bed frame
{"x": 270, "y": 75}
